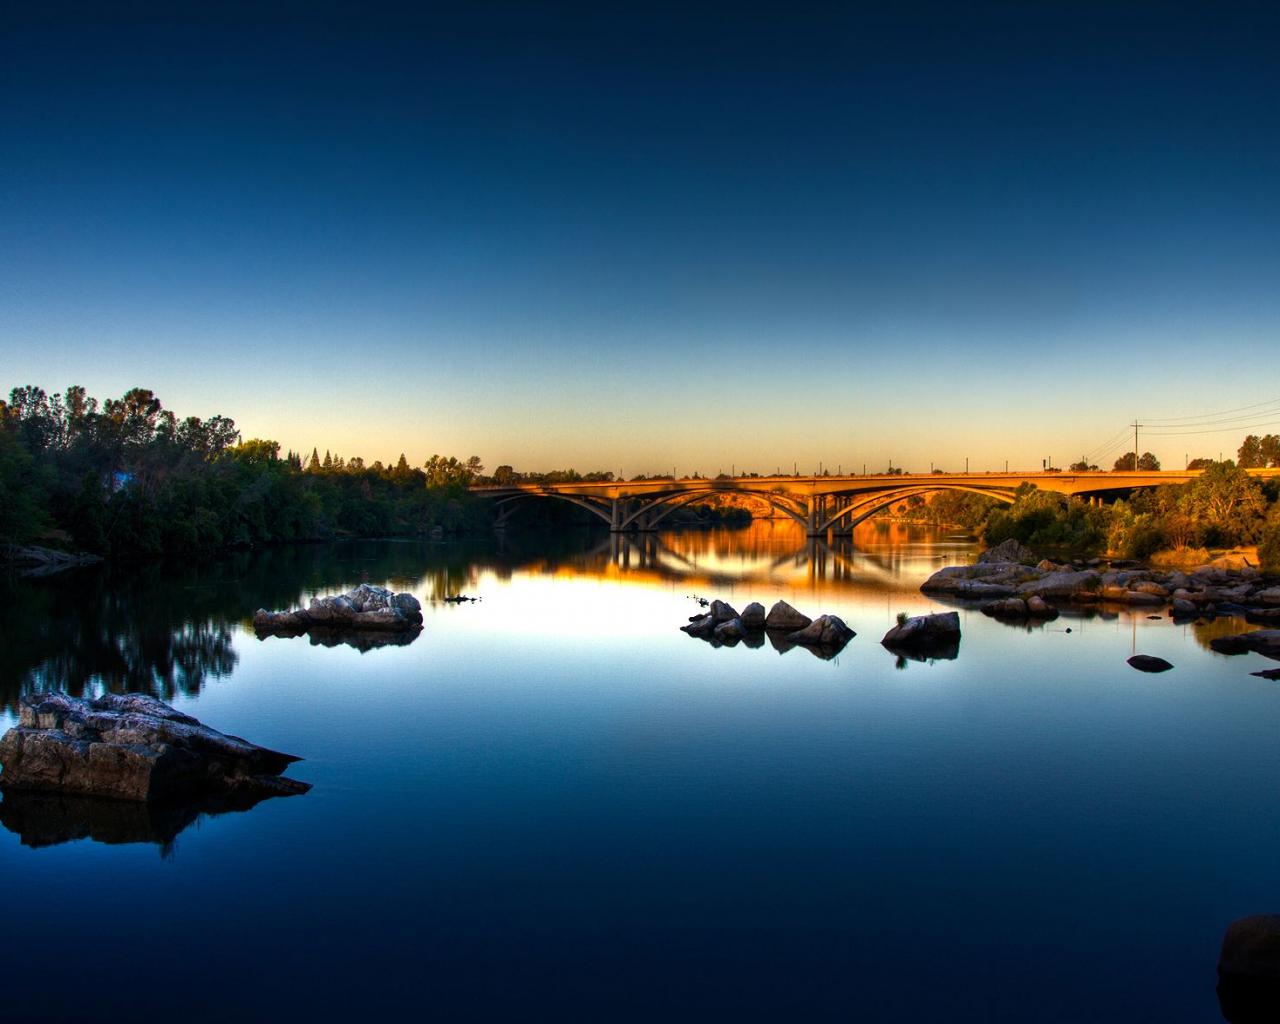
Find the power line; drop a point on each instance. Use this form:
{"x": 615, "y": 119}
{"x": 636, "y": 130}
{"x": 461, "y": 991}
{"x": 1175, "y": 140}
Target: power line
{"x": 1217, "y": 430}
{"x": 1210, "y": 416}
{"x": 1107, "y": 445}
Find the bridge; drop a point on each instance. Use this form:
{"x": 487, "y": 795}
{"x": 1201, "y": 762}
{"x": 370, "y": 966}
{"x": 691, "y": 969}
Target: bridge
{"x": 820, "y": 504}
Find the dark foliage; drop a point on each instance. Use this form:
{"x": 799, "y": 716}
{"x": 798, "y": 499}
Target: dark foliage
{"x": 127, "y": 478}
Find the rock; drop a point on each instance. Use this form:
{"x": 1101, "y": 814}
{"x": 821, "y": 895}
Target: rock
{"x": 1271, "y": 595}
{"x": 1149, "y": 663}
{"x": 1009, "y": 550}
{"x": 1009, "y": 608}
{"x": 131, "y": 747}
{"x": 1078, "y": 586}
{"x": 824, "y": 631}
{"x": 924, "y": 631}
{"x": 977, "y": 589}
{"x": 406, "y": 604}
{"x": 1039, "y": 608}
{"x": 1249, "y": 970}
{"x": 1264, "y": 641}
{"x": 783, "y": 616}
{"x": 365, "y": 607}
{"x": 732, "y": 630}
{"x": 722, "y": 611}
{"x": 702, "y": 625}
{"x": 1149, "y": 587}
{"x": 753, "y": 615}
{"x": 1044, "y": 565}
{"x": 1142, "y": 597}
{"x": 279, "y": 622}
{"x": 1183, "y": 608}
{"x": 1229, "y": 645}
{"x": 1267, "y": 673}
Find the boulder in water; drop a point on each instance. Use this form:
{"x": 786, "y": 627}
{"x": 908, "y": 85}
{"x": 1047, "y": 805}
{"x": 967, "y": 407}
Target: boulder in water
{"x": 132, "y": 747}
{"x": 1149, "y": 663}
{"x": 783, "y": 616}
{"x": 921, "y": 632}
{"x": 365, "y": 607}
{"x": 824, "y": 631}
{"x": 753, "y": 615}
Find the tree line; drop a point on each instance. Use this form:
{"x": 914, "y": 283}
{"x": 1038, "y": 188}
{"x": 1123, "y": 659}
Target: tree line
{"x": 1221, "y": 508}
{"x": 1254, "y": 453}
{"x": 127, "y": 477}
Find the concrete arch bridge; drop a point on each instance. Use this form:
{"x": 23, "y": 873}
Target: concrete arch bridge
{"x": 819, "y": 504}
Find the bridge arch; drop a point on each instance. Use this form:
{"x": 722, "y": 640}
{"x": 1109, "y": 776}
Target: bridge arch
{"x": 512, "y": 503}
{"x": 663, "y": 505}
{"x": 863, "y": 509}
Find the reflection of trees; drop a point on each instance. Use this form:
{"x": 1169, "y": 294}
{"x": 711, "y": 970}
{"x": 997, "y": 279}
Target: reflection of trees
{"x": 166, "y": 630}
{"x": 117, "y": 630}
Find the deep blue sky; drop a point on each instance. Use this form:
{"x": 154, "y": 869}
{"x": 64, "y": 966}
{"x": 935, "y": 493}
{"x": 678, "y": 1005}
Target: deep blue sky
{"x": 556, "y": 235}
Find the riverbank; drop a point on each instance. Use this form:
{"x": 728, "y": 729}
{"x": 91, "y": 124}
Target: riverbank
{"x": 1005, "y": 584}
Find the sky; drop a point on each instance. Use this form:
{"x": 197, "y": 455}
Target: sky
{"x": 652, "y": 237}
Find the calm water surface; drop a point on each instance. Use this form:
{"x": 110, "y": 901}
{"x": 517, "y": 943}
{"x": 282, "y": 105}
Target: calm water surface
{"x": 555, "y": 804}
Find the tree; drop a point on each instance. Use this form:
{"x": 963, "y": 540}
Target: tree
{"x": 1146, "y": 463}
{"x": 1249, "y": 454}
{"x": 314, "y": 465}
{"x": 22, "y": 493}
{"x": 1083, "y": 466}
{"x": 1226, "y": 503}
{"x": 1199, "y": 463}
{"x": 257, "y": 452}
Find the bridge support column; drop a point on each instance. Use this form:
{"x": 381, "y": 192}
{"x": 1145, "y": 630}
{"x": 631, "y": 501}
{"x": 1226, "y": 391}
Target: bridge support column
{"x": 815, "y": 517}
{"x": 617, "y": 509}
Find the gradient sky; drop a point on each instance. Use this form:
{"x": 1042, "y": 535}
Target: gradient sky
{"x": 650, "y": 237}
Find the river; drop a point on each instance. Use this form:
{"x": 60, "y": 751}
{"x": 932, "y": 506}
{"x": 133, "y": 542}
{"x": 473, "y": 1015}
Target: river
{"x": 553, "y": 804}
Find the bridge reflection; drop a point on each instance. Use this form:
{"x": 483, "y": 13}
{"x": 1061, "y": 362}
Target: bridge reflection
{"x": 882, "y": 556}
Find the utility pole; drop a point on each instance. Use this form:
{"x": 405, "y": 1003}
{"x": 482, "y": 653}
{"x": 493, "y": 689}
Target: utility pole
{"x": 966, "y": 465}
{"x": 1006, "y": 465}
{"x": 1136, "y": 425}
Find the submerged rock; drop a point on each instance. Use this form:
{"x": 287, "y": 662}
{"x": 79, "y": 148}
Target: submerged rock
{"x": 132, "y": 747}
{"x": 366, "y": 607}
{"x": 1149, "y": 663}
{"x": 1267, "y": 673}
{"x": 783, "y": 616}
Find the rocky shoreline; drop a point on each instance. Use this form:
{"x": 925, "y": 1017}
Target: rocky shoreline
{"x": 1007, "y": 582}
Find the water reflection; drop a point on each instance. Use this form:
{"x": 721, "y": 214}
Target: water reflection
{"x": 49, "y": 819}
{"x": 167, "y": 630}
